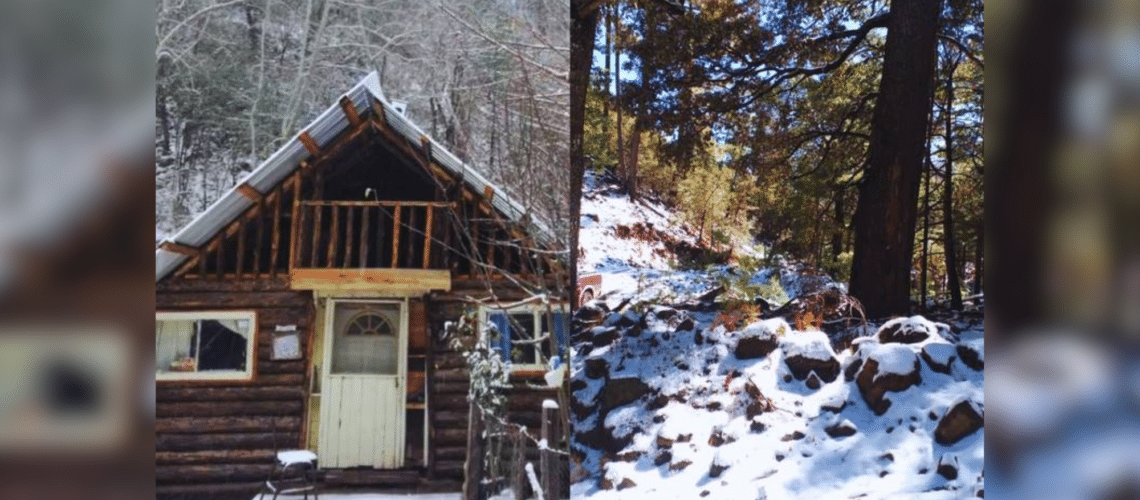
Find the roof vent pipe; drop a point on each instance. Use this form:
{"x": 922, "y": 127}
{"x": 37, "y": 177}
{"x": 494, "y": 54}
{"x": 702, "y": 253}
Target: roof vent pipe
{"x": 400, "y": 107}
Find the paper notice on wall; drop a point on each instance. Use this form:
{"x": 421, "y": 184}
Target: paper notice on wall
{"x": 287, "y": 346}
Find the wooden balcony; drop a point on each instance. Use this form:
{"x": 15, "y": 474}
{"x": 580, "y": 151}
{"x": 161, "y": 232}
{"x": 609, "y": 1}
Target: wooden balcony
{"x": 387, "y": 242}
{"x": 371, "y": 244}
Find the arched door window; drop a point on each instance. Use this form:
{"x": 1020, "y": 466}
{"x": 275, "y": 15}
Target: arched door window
{"x": 366, "y": 338}
{"x": 370, "y": 323}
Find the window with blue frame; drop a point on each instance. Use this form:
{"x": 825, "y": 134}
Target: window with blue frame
{"x": 524, "y": 333}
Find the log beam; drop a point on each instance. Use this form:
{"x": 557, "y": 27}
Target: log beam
{"x": 350, "y": 111}
{"x": 175, "y": 247}
{"x": 309, "y": 143}
{"x": 250, "y": 192}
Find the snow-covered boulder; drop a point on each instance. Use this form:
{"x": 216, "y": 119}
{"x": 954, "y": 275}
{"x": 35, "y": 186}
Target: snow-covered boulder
{"x": 948, "y": 467}
{"x": 939, "y": 356}
{"x": 721, "y": 462}
{"x": 973, "y": 353}
{"x": 807, "y": 352}
{"x": 663, "y": 313}
{"x": 589, "y": 315}
{"x": 910, "y": 330}
{"x": 841, "y": 429}
{"x": 622, "y": 391}
{"x": 760, "y": 338}
{"x": 602, "y": 336}
{"x": 612, "y": 481}
{"x": 886, "y": 368}
{"x": 596, "y": 367}
{"x": 600, "y": 438}
{"x": 963, "y": 419}
{"x": 623, "y": 319}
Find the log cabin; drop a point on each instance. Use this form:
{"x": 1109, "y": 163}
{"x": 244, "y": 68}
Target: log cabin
{"x": 306, "y": 308}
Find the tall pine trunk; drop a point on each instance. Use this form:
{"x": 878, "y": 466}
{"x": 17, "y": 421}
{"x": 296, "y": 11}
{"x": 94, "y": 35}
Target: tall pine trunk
{"x": 979, "y": 249}
{"x": 887, "y": 210}
{"x": 948, "y": 196}
{"x": 639, "y": 124}
{"x": 621, "y": 169}
{"x": 583, "y": 26}
{"x": 606, "y": 68}
{"x": 837, "y": 234}
{"x": 925, "y": 237}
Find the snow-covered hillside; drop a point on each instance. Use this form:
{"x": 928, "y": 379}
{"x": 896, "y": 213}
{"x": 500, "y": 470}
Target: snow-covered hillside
{"x": 673, "y": 403}
{"x": 622, "y": 240}
{"x": 629, "y": 244}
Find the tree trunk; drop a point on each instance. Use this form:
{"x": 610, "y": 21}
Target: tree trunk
{"x": 925, "y": 237}
{"x": 473, "y": 467}
{"x": 631, "y": 163}
{"x": 1032, "y": 118}
{"x": 639, "y": 124}
{"x": 887, "y": 209}
{"x": 548, "y": 460}
{"x": 518, "y": 467}
{"x": 948, "y": 195}
{"x": 621, "y": 166}
{"x": 837, "y": 236}
{"x": 606, "y": 69}
{"x": 979, "y": 248}
{"x": 583, "y": 25}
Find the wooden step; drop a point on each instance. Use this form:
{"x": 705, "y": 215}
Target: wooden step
{"x": 372, "y": 477}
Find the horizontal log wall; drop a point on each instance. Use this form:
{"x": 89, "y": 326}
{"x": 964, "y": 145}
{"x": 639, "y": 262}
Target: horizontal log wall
{"x": 449, "y": 383}
{"x": 447, "y": 394}
{"x": 217, "y": 439}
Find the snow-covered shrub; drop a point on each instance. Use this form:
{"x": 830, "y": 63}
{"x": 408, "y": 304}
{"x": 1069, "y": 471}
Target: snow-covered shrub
{"x": 484, "y": 361}
{"x": 772, "y": 291}
{"x": 489, "y": 374}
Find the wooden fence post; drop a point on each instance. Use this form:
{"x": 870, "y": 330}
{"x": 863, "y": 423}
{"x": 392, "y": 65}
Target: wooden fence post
{"x": 518, "y": 471}
{"x": 548, "y": 459}
{"x": 473, "y": 468}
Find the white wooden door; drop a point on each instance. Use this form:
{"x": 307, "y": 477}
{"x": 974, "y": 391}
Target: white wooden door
{"x": 362, "y": 400}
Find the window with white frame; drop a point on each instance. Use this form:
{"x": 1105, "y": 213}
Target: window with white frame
{"x": 523, "y": 333}
{"x": 205, "y": 345}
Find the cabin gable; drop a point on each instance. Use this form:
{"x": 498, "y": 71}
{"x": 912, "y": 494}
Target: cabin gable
{"x": 368, "y": 209}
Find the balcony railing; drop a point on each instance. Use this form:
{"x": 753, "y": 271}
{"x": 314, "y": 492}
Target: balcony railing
{"x": 372, "y": 234}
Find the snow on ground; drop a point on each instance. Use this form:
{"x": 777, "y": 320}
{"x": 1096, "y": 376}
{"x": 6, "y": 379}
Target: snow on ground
{"x": 372, "y": 496}
{"x": 686, "y": 418}
{"x": 691, "y": 437}
{"x": 506, "y": 495}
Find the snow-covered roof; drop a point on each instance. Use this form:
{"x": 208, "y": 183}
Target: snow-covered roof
{"x": 324, "y": 129}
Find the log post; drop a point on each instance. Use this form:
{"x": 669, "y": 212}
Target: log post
{"x": 410, "y": 258}
{"x": 518, "y": 470}
{"x": 473, "y": 468}
{"x": 221, "y": 256}
{"x": 334, "y": 231}
{"x": 276, "y": 233}
{"x": 427, "y": 237}
{"x": 239, "y": 261}
{"x": 396, "y": 236}
{"x": 548, "y": 460}
{"x": 317, "y": 211}
{"x": 294, "y": 244}
{"x": 364, "y": 237}
{"x": 260, "y": 236}
{"x": 348, "y": 237}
